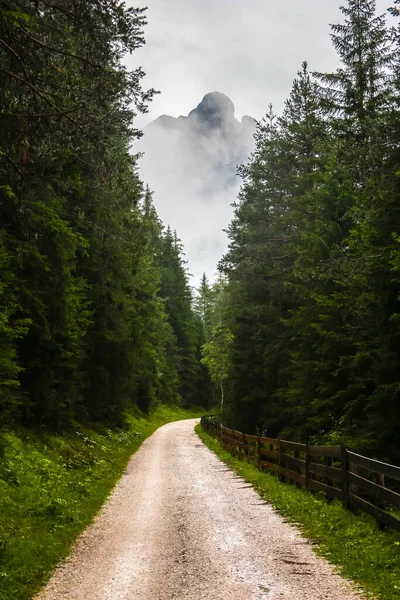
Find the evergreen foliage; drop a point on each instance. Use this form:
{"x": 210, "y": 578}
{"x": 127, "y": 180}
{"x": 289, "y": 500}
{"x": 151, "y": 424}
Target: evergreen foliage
{"x": 299, "y": 336}
{"x": 95, "y": 307}
{"x": 312, "y": 295}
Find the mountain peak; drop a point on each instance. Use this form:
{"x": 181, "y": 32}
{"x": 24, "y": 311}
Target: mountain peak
{"x": 215, "y": 109}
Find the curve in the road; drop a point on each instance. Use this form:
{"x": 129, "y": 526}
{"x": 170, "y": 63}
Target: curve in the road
{"x": 181, "y": 525}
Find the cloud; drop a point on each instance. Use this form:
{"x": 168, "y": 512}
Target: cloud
{"x": 191, "y": 164}
{"x": 249, "y": 51}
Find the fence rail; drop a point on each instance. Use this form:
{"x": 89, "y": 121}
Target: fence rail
{"x": 363, "y": 483}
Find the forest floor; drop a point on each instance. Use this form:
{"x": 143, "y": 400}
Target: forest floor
{"x": 181, "y": 524}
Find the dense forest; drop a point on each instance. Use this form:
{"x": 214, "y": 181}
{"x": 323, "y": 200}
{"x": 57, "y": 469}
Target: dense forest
{"x": 300, "y": 335}
{"x": 303, "y": 327}
{"x": 103, "y": 337}
{"x": 96, "y": 310}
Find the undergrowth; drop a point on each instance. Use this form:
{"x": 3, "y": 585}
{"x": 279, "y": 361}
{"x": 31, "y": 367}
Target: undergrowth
{"x": 50, "y": 489}
{"x": 353, "y": 542}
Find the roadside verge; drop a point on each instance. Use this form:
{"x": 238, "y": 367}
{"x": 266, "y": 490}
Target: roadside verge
{"x": 354, "y": 543}
{"x": 52, "y": 486}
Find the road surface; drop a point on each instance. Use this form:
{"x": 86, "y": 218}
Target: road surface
{"x": 181, "y": 525}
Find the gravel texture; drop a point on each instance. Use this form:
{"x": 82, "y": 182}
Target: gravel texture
{"x": 180, "y": 524}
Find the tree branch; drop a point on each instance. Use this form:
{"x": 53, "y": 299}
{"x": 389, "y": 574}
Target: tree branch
{"x": 16, "y": 55}
{"x": 12, "y": 162}
{"x": 49, "y": 102}
{"x": 58, "y": 51}
{"x": 37, "y": 115}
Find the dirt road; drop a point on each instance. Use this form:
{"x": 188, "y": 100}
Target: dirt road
{"x": 181, "y": 525}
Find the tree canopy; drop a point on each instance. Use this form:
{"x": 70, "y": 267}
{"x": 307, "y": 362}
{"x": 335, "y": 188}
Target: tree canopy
{"x": 312, "y": 291}
{"x": 298, "y": 337}
{"x": 95, "y": 307}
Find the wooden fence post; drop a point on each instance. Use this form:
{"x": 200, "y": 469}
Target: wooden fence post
{"x": 308, "y": 464}
{"x": 258, "y": 452}
{"x": 281, "y": 477}
{"x": 328, "y": 461}
{"x": 312, "y": 476}
{"x": 381, "y": 503}
{"x": 345, "y": 480}
{"x": 353, "y": 489}
{"x": 297, "y": 469}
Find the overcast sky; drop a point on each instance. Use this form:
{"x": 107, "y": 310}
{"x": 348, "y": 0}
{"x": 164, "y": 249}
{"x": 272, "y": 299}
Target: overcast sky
{"x": 249, "y": 51}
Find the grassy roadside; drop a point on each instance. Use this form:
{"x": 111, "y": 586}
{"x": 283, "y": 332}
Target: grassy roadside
{"x": 354, "y": 543}
{"x": 50, "y": 489}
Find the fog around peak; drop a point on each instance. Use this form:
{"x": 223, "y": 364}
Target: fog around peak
{"x": 253, "y": 58}
{"x": 190, "y": 163}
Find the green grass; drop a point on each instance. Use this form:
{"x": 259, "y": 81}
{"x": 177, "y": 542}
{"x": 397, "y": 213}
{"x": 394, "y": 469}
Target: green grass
{"x": 353, "y": 542}
{"x": 50, "y": 489}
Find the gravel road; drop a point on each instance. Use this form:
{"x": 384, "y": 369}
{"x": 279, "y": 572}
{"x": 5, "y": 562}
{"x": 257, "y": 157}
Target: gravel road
{"x": 180, "y": 524}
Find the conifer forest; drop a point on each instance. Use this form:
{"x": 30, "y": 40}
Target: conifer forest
{"x": 299, "y": 336}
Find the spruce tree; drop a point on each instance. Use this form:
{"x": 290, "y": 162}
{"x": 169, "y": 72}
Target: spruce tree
{"x": 204, "y": 304}
{"x": 357, "y": 91}
{"x": 68, "y": 215}
{"x": 177, "y": 295}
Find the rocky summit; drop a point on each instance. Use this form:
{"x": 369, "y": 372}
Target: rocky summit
{"x": 215, "y": 110}
{"x": 209, "y": 140}
{"x": 190, "y": 162}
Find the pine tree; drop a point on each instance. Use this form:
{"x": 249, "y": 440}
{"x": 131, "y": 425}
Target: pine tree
{"x": 67, "y": 202}
{"x": 176, "y": 293}
{"x": 204, "y": 304}
{"x": 271, "y": 238}
{"x": 312, "y": 254}
{"x": 357, "y": 91}
{"x": 258, "y": 237}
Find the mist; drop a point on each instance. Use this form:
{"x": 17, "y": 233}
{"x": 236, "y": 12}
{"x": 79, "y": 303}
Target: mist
{"x": 249, "y": 52}
{"x": 190, "y": 163}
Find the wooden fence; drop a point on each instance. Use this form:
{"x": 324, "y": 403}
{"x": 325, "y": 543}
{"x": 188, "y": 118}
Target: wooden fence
{"x": 357, "y": 481}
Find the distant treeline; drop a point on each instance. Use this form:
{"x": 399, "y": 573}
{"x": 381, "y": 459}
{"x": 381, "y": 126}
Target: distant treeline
{"x": 303, "y": 333}
{"x": 95, "y": 307}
